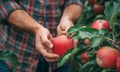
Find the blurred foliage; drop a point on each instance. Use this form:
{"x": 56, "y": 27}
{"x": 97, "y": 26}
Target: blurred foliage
{"x": 10, "y": 57}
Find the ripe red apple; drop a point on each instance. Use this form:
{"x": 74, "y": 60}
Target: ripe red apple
{"x": 61, "y": 44}
{"x": 106, "y": 57}
{"x": 92, "y": 1}
{"x": 99, "y": 24}
{"x": 97, "y": 8}
{"x": 84, "y": 57}
{"x": 87, "y": 41}
{"x": 118, "y": 63}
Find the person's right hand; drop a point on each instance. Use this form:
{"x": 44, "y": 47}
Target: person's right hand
{"x": 43, "y": 44}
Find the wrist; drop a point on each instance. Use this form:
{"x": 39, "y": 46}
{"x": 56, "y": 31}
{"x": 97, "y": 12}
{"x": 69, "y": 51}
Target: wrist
{"x": 37, "y": 28}
{"x": 65, "y": 19}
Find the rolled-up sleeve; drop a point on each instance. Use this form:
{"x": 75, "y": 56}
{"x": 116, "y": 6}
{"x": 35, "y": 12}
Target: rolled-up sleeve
{"x": 6, "y": 8}
{"x": 69, "y": 2}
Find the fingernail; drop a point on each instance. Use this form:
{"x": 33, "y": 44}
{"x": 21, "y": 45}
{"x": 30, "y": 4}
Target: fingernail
{"x": 50, "y": 46}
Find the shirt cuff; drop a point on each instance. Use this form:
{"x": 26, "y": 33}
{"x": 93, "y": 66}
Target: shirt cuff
{"x": 78, "y": 2}
{"x": 7, "y": 7}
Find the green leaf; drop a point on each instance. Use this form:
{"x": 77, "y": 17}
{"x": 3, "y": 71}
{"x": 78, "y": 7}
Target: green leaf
{"x": 92, "y": 53}
{"x": 81, "y": 32}
{"x": 63, "y": 60}
{"x": 10, "y": 57}
{"x": 73, "y": 29}
{"x": 86, "y": 67}
{"x": 67, "y": 56}
{"x": 103, "y": 31}
{"x": 76, "y": 35}
{"x": 109, "y": 70}
{"x": 100, "y": 16}
{"x": 87, "y": 32}
{"x": 112, "y": 9}
{"x": 97, "y": 40}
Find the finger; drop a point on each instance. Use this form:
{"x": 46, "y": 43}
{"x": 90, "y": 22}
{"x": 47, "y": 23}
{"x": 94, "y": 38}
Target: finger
{"x": 62, "y": 30}
{"x": 51, "y": 60}
{"x": 59, "y": 30}
{"x": 68, "y": 26}
{"x": 62, "y": 27}
{"x": 67, "y": 29}
{"x": 38, "y": 45}
{"x": 50, "y": 37}
{"x": 63, "y": 33}
{"x": 49, "y": 50}
{"x": 49, "y": 55}
{"x": 46, "y": 41}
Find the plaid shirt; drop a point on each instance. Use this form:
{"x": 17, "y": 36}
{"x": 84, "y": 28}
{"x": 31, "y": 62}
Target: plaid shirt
{"x": 45, "y": 12}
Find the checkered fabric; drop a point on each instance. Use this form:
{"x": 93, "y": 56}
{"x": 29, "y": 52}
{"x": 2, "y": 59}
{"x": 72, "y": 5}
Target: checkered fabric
{"x": 45, "y": 12}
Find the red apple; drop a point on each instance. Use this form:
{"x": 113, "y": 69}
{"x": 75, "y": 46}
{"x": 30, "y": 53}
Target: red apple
{"x": 84, "y": 57}
{"x": 61, "y": 44}
{"x": 97, "y": 8}
{"x": 106, "y": 57}
{"x": 92, "y": 1}
{"x": 99, "y": 24}
{"x": 118, "y": 63}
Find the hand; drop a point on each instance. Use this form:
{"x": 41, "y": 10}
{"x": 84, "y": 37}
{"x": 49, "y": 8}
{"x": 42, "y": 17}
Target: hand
{"x": 43, "y": 45}
{"x": 63, "y": 26}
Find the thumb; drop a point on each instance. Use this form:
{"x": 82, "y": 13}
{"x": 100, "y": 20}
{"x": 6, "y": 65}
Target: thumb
{"x": 63, "y": 27}
{"x": 47, "y": 41}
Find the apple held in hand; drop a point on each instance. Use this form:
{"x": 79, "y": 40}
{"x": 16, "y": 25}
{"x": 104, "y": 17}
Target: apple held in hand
{"x": 62, "y": 44}
{"x": 106, "y": 57}
{"x": 99, "y": 24}
{"x": 84, "y": 57}
{"x": 97, "y": 8}
{"x": 118, "y": 63}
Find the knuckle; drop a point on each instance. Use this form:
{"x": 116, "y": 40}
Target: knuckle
{"x": 44, "y": 41}
{"x": 45, "y": 55}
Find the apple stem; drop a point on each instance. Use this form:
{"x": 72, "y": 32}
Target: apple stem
{"x": 117, "y": 47}
{"x": 118, "y": 43}
{"x": 109, "y": 39}
{"x": 114, "y": 43}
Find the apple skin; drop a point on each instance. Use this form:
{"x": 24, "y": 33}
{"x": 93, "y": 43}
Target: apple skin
{"x": 97, "y": 8}
{"x": 118, "y": 63}
{"x": 84, "y": 57}
{"x": 106, "y": 57}
{"x": 61, "y": 44}
{"x": 92, "y": 1}
{"x": 99, "y": 24}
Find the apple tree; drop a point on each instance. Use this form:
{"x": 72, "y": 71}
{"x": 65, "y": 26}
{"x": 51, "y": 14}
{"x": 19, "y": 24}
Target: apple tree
{"x": 84, "y": 58}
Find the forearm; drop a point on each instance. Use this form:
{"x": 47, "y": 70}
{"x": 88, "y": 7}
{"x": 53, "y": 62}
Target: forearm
{"x": 72, "y": 12}
{"x": 22, "y": 20}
